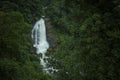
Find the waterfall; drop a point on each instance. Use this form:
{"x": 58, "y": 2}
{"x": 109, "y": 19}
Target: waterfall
{"x": 41, "y": 44}
{"x": 40, "y": 41}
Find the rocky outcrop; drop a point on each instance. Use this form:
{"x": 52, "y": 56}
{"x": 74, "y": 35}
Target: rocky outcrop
{"x": 51, "y": 37}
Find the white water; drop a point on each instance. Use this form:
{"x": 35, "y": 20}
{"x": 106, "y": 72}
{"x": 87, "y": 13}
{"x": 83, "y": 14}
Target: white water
{"x": 39, "y": 36}
{"x": 40, "y": 42}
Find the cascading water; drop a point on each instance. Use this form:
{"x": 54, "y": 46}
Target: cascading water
{"x": 39, "y": 37}
{"x": 41, "y": 44}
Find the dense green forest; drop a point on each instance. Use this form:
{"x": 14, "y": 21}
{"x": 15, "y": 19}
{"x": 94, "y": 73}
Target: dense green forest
{"x": 87, "y": 34}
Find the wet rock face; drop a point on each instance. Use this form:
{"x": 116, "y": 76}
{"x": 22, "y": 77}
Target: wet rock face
{"x": 51, "y": 37}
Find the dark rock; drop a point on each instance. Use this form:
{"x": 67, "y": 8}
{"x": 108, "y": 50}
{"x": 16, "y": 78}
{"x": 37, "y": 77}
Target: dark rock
{"x": 51, "y": 37}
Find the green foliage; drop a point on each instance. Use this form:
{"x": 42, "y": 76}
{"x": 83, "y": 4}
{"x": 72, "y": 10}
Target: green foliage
{"x": 88, "y": 35}
{"x": 17, "y": 61}
{"x": 31, "y": 9}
